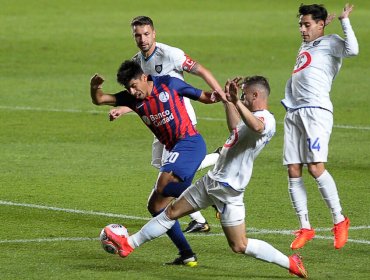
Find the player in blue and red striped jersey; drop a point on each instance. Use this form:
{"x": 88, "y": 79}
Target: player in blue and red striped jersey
{"x": 158, "y": 59}
{"x": 159, "y": 101}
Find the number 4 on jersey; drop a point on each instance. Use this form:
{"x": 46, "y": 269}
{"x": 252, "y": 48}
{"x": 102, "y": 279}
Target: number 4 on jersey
{"x": 315, "y": 145}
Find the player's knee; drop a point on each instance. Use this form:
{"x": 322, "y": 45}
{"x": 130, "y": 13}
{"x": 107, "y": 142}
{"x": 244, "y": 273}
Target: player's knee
{"x": 171, "y": 212}
{"x": 294, "y": 170}
{"x": 316, "y": 169}
{"x": 238, "y": 248}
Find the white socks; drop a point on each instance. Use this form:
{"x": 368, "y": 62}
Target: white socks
{"x": 262, "y": 250}
{"x": 209, "y": 160}
{"x": 197, "y": 216}
{"x": 156, "y": 227}
{"x": 329, "y": 193}
{"x": 298, "y": 196}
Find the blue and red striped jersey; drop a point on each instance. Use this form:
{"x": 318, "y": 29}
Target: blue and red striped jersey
{"x": 163, "y": 111}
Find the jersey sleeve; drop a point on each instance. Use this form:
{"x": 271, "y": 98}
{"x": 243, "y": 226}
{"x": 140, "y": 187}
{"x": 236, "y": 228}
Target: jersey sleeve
{"x": 124, "y": 98}
{"x": 180, "y": 60}
{"x": 267, "y": 119}
{"x": 184, "y": 89}
{"x": 176, "y": 57}
{"x": 345, "y": 47}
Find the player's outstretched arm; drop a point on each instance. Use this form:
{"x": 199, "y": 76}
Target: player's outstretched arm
{"x": 98, "y": 97}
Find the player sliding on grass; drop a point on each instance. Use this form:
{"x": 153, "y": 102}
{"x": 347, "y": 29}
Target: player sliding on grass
{"x": 251, "y": 127}
{"x": 159, "y": 101}
{"x": 309, "y": 117}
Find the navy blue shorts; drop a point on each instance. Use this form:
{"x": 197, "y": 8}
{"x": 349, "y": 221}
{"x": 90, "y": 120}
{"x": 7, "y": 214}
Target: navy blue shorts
{"x": 184, "y": 160}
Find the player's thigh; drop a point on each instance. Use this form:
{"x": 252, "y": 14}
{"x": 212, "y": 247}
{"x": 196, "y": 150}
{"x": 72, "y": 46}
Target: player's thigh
{"x": 185, "y": 157}
{"x": 293, "y": 136}
{"x": 179, "y": 208}
{"x": 196, "y": 195}
{"x": 318, "y": 125}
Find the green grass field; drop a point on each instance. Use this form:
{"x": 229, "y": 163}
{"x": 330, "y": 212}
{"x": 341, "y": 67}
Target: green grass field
{"x": 66, "y": 171}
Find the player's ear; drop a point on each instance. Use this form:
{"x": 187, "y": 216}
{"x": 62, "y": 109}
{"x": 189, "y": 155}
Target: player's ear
{"x": 321, "y": 24}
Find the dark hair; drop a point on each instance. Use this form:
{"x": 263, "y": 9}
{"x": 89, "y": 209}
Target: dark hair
{"x": 318, "y": 12}
{"x": 142, "y": 20}
{"x": 128, "y": 70}
{"x": 258, "y": 81}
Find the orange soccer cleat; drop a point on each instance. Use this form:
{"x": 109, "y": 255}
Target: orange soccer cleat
{"x": 124, "y": 249}
{"x": 340, "y": 231}
{"x": 302, "y": 237}
{"x": 296, "y": 266}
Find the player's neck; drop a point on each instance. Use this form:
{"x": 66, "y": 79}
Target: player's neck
{"x": 150, "y": 51}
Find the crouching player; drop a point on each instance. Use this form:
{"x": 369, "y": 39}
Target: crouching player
{"x": 251, "y": 127}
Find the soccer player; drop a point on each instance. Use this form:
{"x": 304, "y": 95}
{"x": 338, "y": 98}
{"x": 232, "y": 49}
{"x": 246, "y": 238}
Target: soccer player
{"x": 251, "y": 127}
{"x": 309, "y": 118}
{"x": 159, "y": 103}
{"x": 159, "y": 59}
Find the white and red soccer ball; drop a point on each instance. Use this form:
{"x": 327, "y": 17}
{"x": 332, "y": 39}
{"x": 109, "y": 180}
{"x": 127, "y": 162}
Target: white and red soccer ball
{"x": 107, "y": 245}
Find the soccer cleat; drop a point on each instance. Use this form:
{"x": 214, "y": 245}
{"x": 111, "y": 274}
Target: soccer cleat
{"x": 194, "y": 226}
{"x": 188, "y": 261}
{"x": 340, "y": 231}
{"x": 124, "y": 249}
{"x": 296, "y": 266}
{"x": 302, "y": 237}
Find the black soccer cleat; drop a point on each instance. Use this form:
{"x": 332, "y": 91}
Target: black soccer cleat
{"x": 188, "y": 261}
{"x": 194, "y": 226}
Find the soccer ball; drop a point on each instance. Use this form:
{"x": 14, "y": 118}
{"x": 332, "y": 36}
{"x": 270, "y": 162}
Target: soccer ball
{"x": 107, "y": 245}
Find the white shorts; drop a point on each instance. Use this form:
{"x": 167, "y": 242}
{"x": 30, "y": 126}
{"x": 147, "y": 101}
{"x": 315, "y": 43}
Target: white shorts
{"x": 207, "y": 192}
{"x": 306, "y": 135}
{"x": 159, "y": 153}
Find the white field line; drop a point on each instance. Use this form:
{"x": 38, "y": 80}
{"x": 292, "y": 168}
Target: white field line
{"x": 83, "y": 212}
{"x": 25, "y": 108}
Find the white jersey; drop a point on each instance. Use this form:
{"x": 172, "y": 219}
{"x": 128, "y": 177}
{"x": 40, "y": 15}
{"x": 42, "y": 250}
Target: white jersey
{"x": 167, "y": 60}
{"x": 318, "y": 62}
{"x": 235, "y": 164}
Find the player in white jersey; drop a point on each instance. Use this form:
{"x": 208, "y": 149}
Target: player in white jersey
{"x": 251, "y": 127}
{"x": 159, "y": 59}
{"x": 309, "y": 118}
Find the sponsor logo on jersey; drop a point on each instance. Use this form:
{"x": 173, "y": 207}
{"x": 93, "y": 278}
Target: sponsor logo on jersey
{"x": 146, "y": 120}
{"x": 158, "y": 68}
{"x": 303, "y": 60}
{"x": 164, "y": 96}
{"x": 161, "y": 118}
{"x": 188, "y": 63}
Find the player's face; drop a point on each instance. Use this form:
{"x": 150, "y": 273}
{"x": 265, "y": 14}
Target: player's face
{"x": 145, "y": 38}
{"x": 310, "y": 29}
{"x": 247, "y": 96}
{"x": 139, "y": 87}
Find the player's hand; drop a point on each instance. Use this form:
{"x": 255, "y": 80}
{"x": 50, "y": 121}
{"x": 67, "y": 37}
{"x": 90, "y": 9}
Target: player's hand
{"x": 217, "y": 96}
{"x": 114, "y": 114}
{"x": 346, "y": 11}
{"x": 329, "y": 19}
{"x": 231, "y": 89}
{"x": 96, "y": 81}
